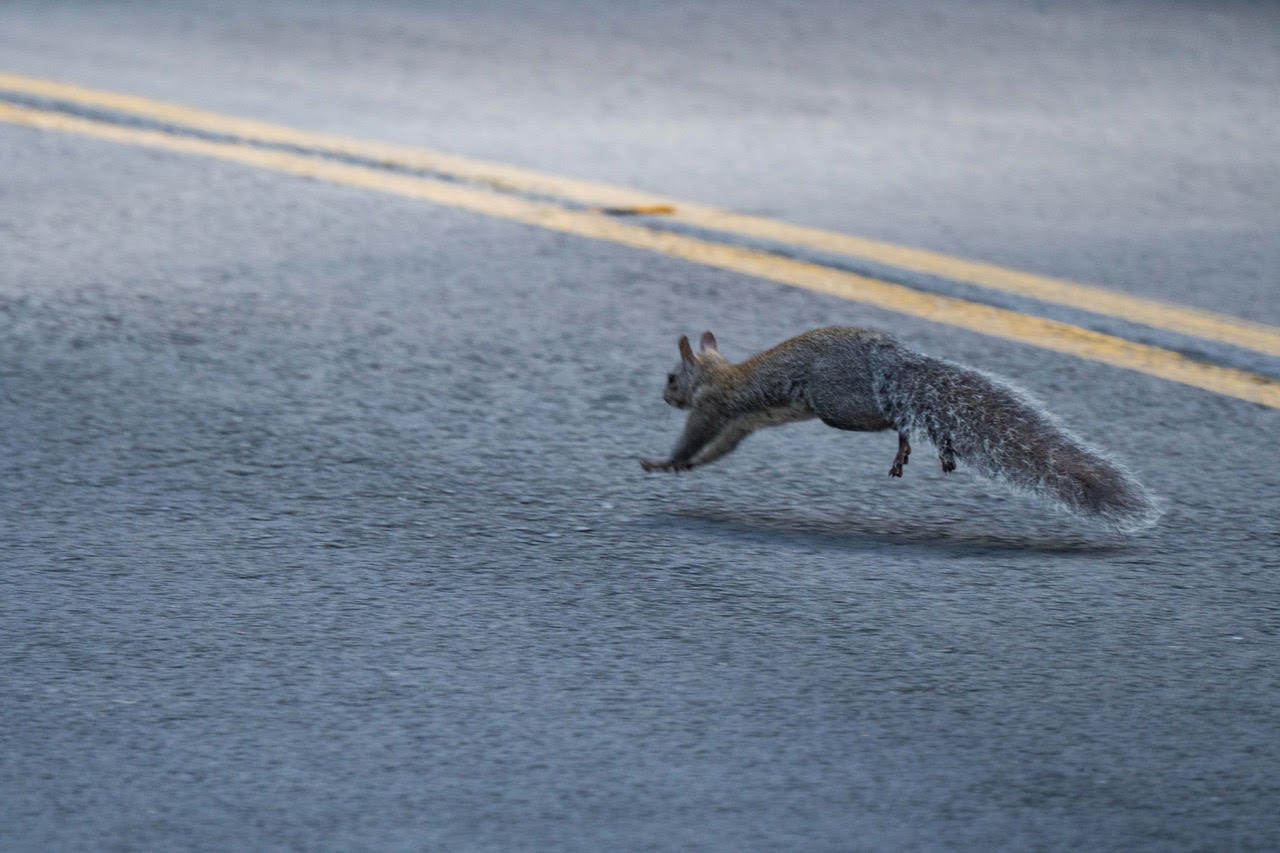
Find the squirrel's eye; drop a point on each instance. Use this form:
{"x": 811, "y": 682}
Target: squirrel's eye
{"x": 671, "y": 379}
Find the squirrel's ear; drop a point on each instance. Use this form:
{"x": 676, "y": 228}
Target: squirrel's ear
{"x": 686, "y": 351}
{"x": 708, "y": 342}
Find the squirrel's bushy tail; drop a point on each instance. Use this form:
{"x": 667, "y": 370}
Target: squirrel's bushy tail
{"x": 1009, "y": 436}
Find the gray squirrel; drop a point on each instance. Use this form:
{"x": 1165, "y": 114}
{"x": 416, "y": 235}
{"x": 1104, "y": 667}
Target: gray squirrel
{"x": 865, "y": 380}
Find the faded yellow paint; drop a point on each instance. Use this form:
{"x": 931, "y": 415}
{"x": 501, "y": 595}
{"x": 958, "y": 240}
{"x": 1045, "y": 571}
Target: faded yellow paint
{"x": 1208, "y": 325}
{"x": 998, "y": 322}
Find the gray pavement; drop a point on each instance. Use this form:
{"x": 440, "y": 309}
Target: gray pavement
{"x": 321, "y": 526}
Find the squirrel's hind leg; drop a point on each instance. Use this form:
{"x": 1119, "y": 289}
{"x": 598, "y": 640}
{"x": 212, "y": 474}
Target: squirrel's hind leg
{"x": 947, "y": 455}
{"x": 904, "y": 453}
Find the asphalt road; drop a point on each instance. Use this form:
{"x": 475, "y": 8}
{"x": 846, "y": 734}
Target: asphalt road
{"x": 321, "y": 525}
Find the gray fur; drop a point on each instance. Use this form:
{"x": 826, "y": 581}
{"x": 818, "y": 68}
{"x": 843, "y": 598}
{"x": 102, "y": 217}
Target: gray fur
{"x": 864, "y": 380}
{"x": 1006, "y": 434}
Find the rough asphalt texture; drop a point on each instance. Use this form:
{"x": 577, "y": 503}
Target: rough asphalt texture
{"x": 321, "y": 526}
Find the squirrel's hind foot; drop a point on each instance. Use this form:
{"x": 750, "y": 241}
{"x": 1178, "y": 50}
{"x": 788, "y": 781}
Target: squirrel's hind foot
{"x": 904, "y": 453}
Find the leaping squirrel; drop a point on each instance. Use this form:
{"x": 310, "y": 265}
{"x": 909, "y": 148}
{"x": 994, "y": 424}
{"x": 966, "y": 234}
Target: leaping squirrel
{"x": 865, "y": 380}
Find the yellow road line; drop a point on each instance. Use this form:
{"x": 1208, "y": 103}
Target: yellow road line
{"x": 1208, "y": 325}
{"x": 998, "y": 322}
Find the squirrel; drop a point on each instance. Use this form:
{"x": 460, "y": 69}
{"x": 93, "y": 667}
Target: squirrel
{"x": 865, "y": 380}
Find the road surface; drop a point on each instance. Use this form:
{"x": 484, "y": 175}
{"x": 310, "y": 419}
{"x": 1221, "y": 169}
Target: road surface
{"x": 322, "y": 526}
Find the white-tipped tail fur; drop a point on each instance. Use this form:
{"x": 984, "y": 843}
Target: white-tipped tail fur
{"x": 1009, "y": 436}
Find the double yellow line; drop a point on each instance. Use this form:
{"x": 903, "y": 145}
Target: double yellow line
{"x": 487, "y": 188}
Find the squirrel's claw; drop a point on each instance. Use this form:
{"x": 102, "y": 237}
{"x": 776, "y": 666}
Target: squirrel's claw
{"x": 664, "y": 465}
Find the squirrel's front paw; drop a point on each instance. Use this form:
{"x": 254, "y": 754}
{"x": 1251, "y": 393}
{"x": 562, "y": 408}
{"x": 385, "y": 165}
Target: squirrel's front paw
{"x": 655, "y": 464}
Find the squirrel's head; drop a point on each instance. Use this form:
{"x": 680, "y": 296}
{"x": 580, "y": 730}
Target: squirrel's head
{"x": 692, "y": 371}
